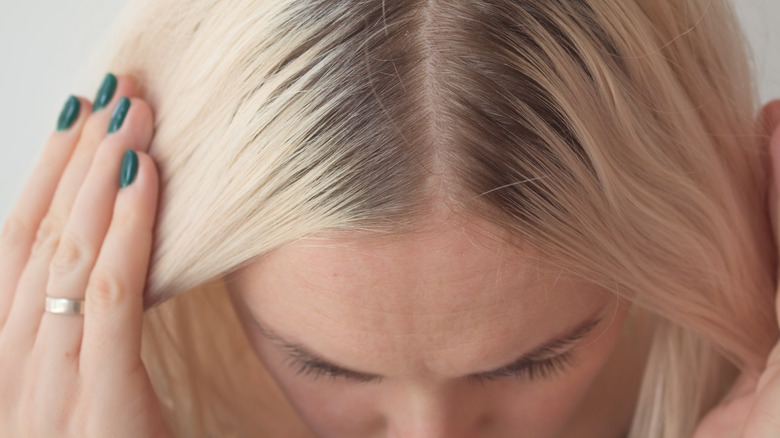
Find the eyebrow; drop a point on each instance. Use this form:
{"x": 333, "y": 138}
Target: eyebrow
{"x": 546, "y": 350}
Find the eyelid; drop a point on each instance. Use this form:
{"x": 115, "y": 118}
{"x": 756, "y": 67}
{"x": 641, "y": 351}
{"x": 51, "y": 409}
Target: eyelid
{"x": 544, "y": 368}
{"x": 533, "y": 370}
{"x": 562, "y": 352}
{"x": 307, "y": 368}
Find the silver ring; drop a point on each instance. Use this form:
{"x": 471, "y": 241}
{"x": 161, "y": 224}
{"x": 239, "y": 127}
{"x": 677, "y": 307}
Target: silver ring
{"x": 65, "y": 306}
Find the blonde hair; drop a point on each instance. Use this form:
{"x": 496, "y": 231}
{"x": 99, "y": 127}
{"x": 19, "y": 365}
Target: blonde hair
{"x": 617, "y": 138}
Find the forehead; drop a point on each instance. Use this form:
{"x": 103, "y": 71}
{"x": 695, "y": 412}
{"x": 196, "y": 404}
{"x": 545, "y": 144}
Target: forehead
{"x": 445, "y": 268}
{"x": 449, "y": 279}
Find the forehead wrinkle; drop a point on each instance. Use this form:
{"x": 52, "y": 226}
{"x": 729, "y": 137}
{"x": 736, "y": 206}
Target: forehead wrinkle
{"x": 368, "y": 302}
{"x": 370, "y": 319}
{"x": 373, "y": 325}
{"x": 528, "y": 279}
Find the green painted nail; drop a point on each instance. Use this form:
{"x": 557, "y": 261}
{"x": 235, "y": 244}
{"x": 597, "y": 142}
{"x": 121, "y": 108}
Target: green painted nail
{"x": 69, "y": 113}
{"x": 118, "y": 117}
{"x": 129, "y": 168}
{"x": 105, "y": 93}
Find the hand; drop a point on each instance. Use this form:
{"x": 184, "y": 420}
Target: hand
{"x": 74, "y": 233}
{"x": 752, "y": 407}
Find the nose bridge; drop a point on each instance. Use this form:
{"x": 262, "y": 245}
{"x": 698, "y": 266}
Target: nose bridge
{"x": 417, "y": 411}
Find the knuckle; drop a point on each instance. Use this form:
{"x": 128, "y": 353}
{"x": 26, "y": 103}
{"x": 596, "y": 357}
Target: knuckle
{"x": 104, "y": 290}
{"x": 92, "y": 134}
{"x": 47, "y": 236}
{"x": 70, "y": 254}
{"x": 104, "y": 157}
{"x": 15, "y": 233}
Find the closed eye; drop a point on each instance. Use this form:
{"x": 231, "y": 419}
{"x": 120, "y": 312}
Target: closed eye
{"x": 542, "y": 370}
{"x": 543, "y": 362}
{"x": 532, "y": 371}
{"x": 316, "y": 369}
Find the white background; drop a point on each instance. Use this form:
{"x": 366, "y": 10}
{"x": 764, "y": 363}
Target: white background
{"x": 45, "y": 43}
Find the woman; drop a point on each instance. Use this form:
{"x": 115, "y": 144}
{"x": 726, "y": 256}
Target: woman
{"x": 500, "y": 218}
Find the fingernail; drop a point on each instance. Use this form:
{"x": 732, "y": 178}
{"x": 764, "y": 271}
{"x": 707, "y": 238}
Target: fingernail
{"x": 105, "y": 93}
{"x": 69, "y": 113}
{"x": 118, "y": 117}
{"x": 129, "y": 168}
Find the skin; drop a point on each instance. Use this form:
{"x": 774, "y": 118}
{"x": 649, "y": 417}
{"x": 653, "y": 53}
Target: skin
{"x": 425, "y": 312}
{"x": 74, "y": 234}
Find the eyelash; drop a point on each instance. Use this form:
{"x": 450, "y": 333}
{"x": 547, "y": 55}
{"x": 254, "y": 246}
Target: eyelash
{"x": 314, "y": 371}
{"x": 544, "y": 369}
{"x": 541, "y": 370}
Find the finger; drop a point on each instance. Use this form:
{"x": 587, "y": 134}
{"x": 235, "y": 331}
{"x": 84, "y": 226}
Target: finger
{"x": 20, "y": 227}
{"x": 60, "y": 336}
{"x": 28, "y": 302}
{"x": 774, "y": 189}
{"x": 769, "y": 117}
{"x": 764, "y": 418}
{"x": 774, "y": 151}
{"x": 111, "y": 344}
